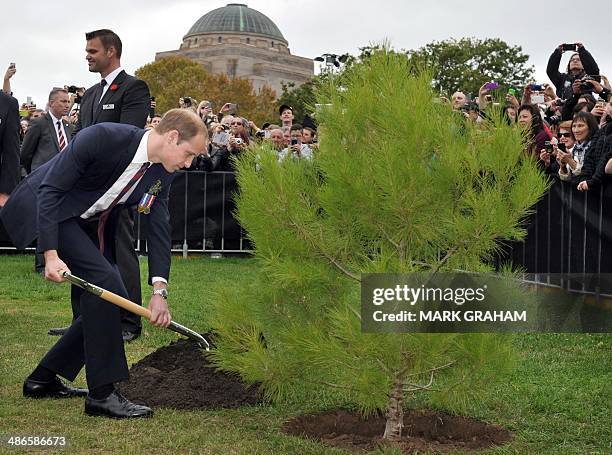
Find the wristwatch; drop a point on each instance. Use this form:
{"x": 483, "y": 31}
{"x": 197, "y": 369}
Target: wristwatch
{"x": 162, "y": 292}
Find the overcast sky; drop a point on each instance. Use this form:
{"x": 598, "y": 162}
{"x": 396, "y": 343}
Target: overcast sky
{"x": 46, "y": 39}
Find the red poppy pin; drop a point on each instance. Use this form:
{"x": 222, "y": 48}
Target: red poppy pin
{"x": 113, "y": 87}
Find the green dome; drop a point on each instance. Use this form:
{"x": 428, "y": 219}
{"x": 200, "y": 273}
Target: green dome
{"x": 236, "y": 18}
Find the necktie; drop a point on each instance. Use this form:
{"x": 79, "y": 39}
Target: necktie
{"x": 102, "y": 85}
{"x": 105, "y": 214}
{"x": 60, "y": 136}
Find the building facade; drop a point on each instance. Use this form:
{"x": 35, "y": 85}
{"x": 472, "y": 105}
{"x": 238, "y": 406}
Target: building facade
{"x": 242, "y": 42}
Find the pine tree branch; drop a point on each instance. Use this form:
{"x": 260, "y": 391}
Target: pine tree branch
{"x": 415, "y": 387}
{"x": 327, "y": 256}
{"x": 441, "y": 367}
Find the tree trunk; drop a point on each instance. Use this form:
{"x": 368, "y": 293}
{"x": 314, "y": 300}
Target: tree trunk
{"x": 395, "y": 411}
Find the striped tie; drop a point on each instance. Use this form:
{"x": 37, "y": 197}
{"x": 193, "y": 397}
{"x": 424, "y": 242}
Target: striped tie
{"x": 105, "y": 214}
{"x": 60, "y": 136}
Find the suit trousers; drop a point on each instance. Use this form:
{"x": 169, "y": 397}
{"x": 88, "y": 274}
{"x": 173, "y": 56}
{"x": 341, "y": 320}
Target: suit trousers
{"x": 128, "y": 265}
{"x": 94, "y": 339}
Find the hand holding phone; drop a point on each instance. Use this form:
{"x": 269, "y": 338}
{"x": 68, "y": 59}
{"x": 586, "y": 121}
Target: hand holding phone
{"x": 569, "y": 47}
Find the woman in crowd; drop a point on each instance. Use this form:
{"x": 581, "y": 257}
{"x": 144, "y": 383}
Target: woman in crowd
{"x": 568, "y": 166}
{"x": 530, "y": 120}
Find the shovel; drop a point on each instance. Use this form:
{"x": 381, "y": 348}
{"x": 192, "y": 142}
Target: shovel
{"x": 133, "y": 308}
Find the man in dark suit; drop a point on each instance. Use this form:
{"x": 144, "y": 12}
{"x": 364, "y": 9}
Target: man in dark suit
{"x": 70, "y": 204}
{"x": 46, "y": 137}
{"x": 9, "y": 146}
{"x": 118, "y": 98}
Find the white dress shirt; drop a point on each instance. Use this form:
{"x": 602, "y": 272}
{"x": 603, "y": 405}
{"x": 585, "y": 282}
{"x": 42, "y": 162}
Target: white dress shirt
{"x": 109, "y": 80}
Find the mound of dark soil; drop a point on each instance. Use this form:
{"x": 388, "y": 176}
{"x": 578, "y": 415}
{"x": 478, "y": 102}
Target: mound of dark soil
{"x": 179, "y": 376}
{"x": 424, "y": 431}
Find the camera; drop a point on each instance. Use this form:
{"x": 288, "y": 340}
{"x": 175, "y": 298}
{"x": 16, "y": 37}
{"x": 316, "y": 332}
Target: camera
{"x": 72, "y": 89}
{"x": 585, "y": 84}
{"x": 186, "y": 100}
{"x": 238, "y": 141}
{"x": 569, "y": 47}
{"x": 261, "y": 134}
{"x": 559, "y": 102}
{"x": 548, "y": 146}
{"x": 537, "y": 87}
{"x": 553, "y": 120}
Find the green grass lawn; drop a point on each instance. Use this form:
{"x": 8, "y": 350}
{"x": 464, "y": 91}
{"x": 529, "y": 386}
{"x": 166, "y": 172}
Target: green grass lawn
{"x": 557, "y": 401}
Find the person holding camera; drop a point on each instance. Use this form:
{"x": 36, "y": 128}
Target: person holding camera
{"x": 581, "y": 64}
{"x": 582, "y": 93}
{"x": 296, "y": 149}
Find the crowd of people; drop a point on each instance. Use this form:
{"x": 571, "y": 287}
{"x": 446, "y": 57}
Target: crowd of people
{"x": 567, "y": 124}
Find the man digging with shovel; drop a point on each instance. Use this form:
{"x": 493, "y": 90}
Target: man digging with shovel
{"x": 69, "y": 205}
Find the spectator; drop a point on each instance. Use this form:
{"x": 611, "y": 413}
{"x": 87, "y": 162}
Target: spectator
{"x": 24, "y": 128}
{"x": 565, "y": 158}
{"x": 205, "y": 112}
{"x": 458, "y": 99}
{"x": 580, "y": 64}
{"x": 595, "y": 144}
{"x": 584, "y": 129}
{"x": 296, "y": 149}
{"x": 308, "y": 135}
{"x": 286, "y": 115}
{"x": 276, "y": 136}
{"x": 10, "y": 72}
{"x": 155, "y": 120}
{"x": 37, "y": 113}
{"x": 286, "y": 135}
{"x": 530, "y": 120}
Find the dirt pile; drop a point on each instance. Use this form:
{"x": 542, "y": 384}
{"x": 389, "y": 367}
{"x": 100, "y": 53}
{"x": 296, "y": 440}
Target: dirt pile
{"x": 179, "y": 376}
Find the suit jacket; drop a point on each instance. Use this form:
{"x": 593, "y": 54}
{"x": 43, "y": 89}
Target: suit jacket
{"x": 40, "y": 143}
{"x": 128, "y": 103}
{"x": 9, "y": 143}
{"x": 67, "y": 185}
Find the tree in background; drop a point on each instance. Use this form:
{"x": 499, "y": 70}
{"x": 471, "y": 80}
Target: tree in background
{"x": 468, "y": 63}
{"x": 399, "y": 185}
{"x": 171, "y": 78}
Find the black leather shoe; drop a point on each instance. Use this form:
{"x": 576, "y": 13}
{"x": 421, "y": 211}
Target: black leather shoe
{"x": 116, "y": 406}
{"x": 59, "y": 331}
{"x": 51, "y": 389}
{"x": 129, "y": 336}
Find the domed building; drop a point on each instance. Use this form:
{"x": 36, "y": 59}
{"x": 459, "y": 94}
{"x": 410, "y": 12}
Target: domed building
{"x": 242, "y": 42}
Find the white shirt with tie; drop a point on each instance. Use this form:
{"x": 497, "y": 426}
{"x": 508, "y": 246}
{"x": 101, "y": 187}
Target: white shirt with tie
{"x": 109, "y": 80}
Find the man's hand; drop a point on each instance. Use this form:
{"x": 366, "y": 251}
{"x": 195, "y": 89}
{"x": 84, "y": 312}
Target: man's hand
{"x": 576, "y": 87}
{"x": 54, "y": 267}
{"x": 160, "y": 316}
{"x": 3, "y": 198}
{"x": 226, "y": 108}
{"x": 583, "y": 186}
{"x": 545, "y": 157}
{"x": 10, "y": 72}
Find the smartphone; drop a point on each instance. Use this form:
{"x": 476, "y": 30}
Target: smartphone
{"x": 12, "y": 66}
{"x": 221, "y": 138}
{"x": 537, "y": 99}
{"x": 29, "y": 100}
{"x": 492, "y": 86}
{"x": 561, "y": 146}
{"x": 570, "y": 47}
{"x": 294, "y": 141}
{"x": 233, "y": 107}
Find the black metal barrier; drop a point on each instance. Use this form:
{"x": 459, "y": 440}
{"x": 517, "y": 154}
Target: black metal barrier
{"x": 202, "y": 215}
{"x": 568, "y": 239}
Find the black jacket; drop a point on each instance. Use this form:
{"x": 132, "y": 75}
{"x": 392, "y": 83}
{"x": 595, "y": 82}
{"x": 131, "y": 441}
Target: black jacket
{"x": 563, "y": 81}
{"x": 594, "y": 174}
{"x": 9, "y": 143}
{"x": 127, "y": 100}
